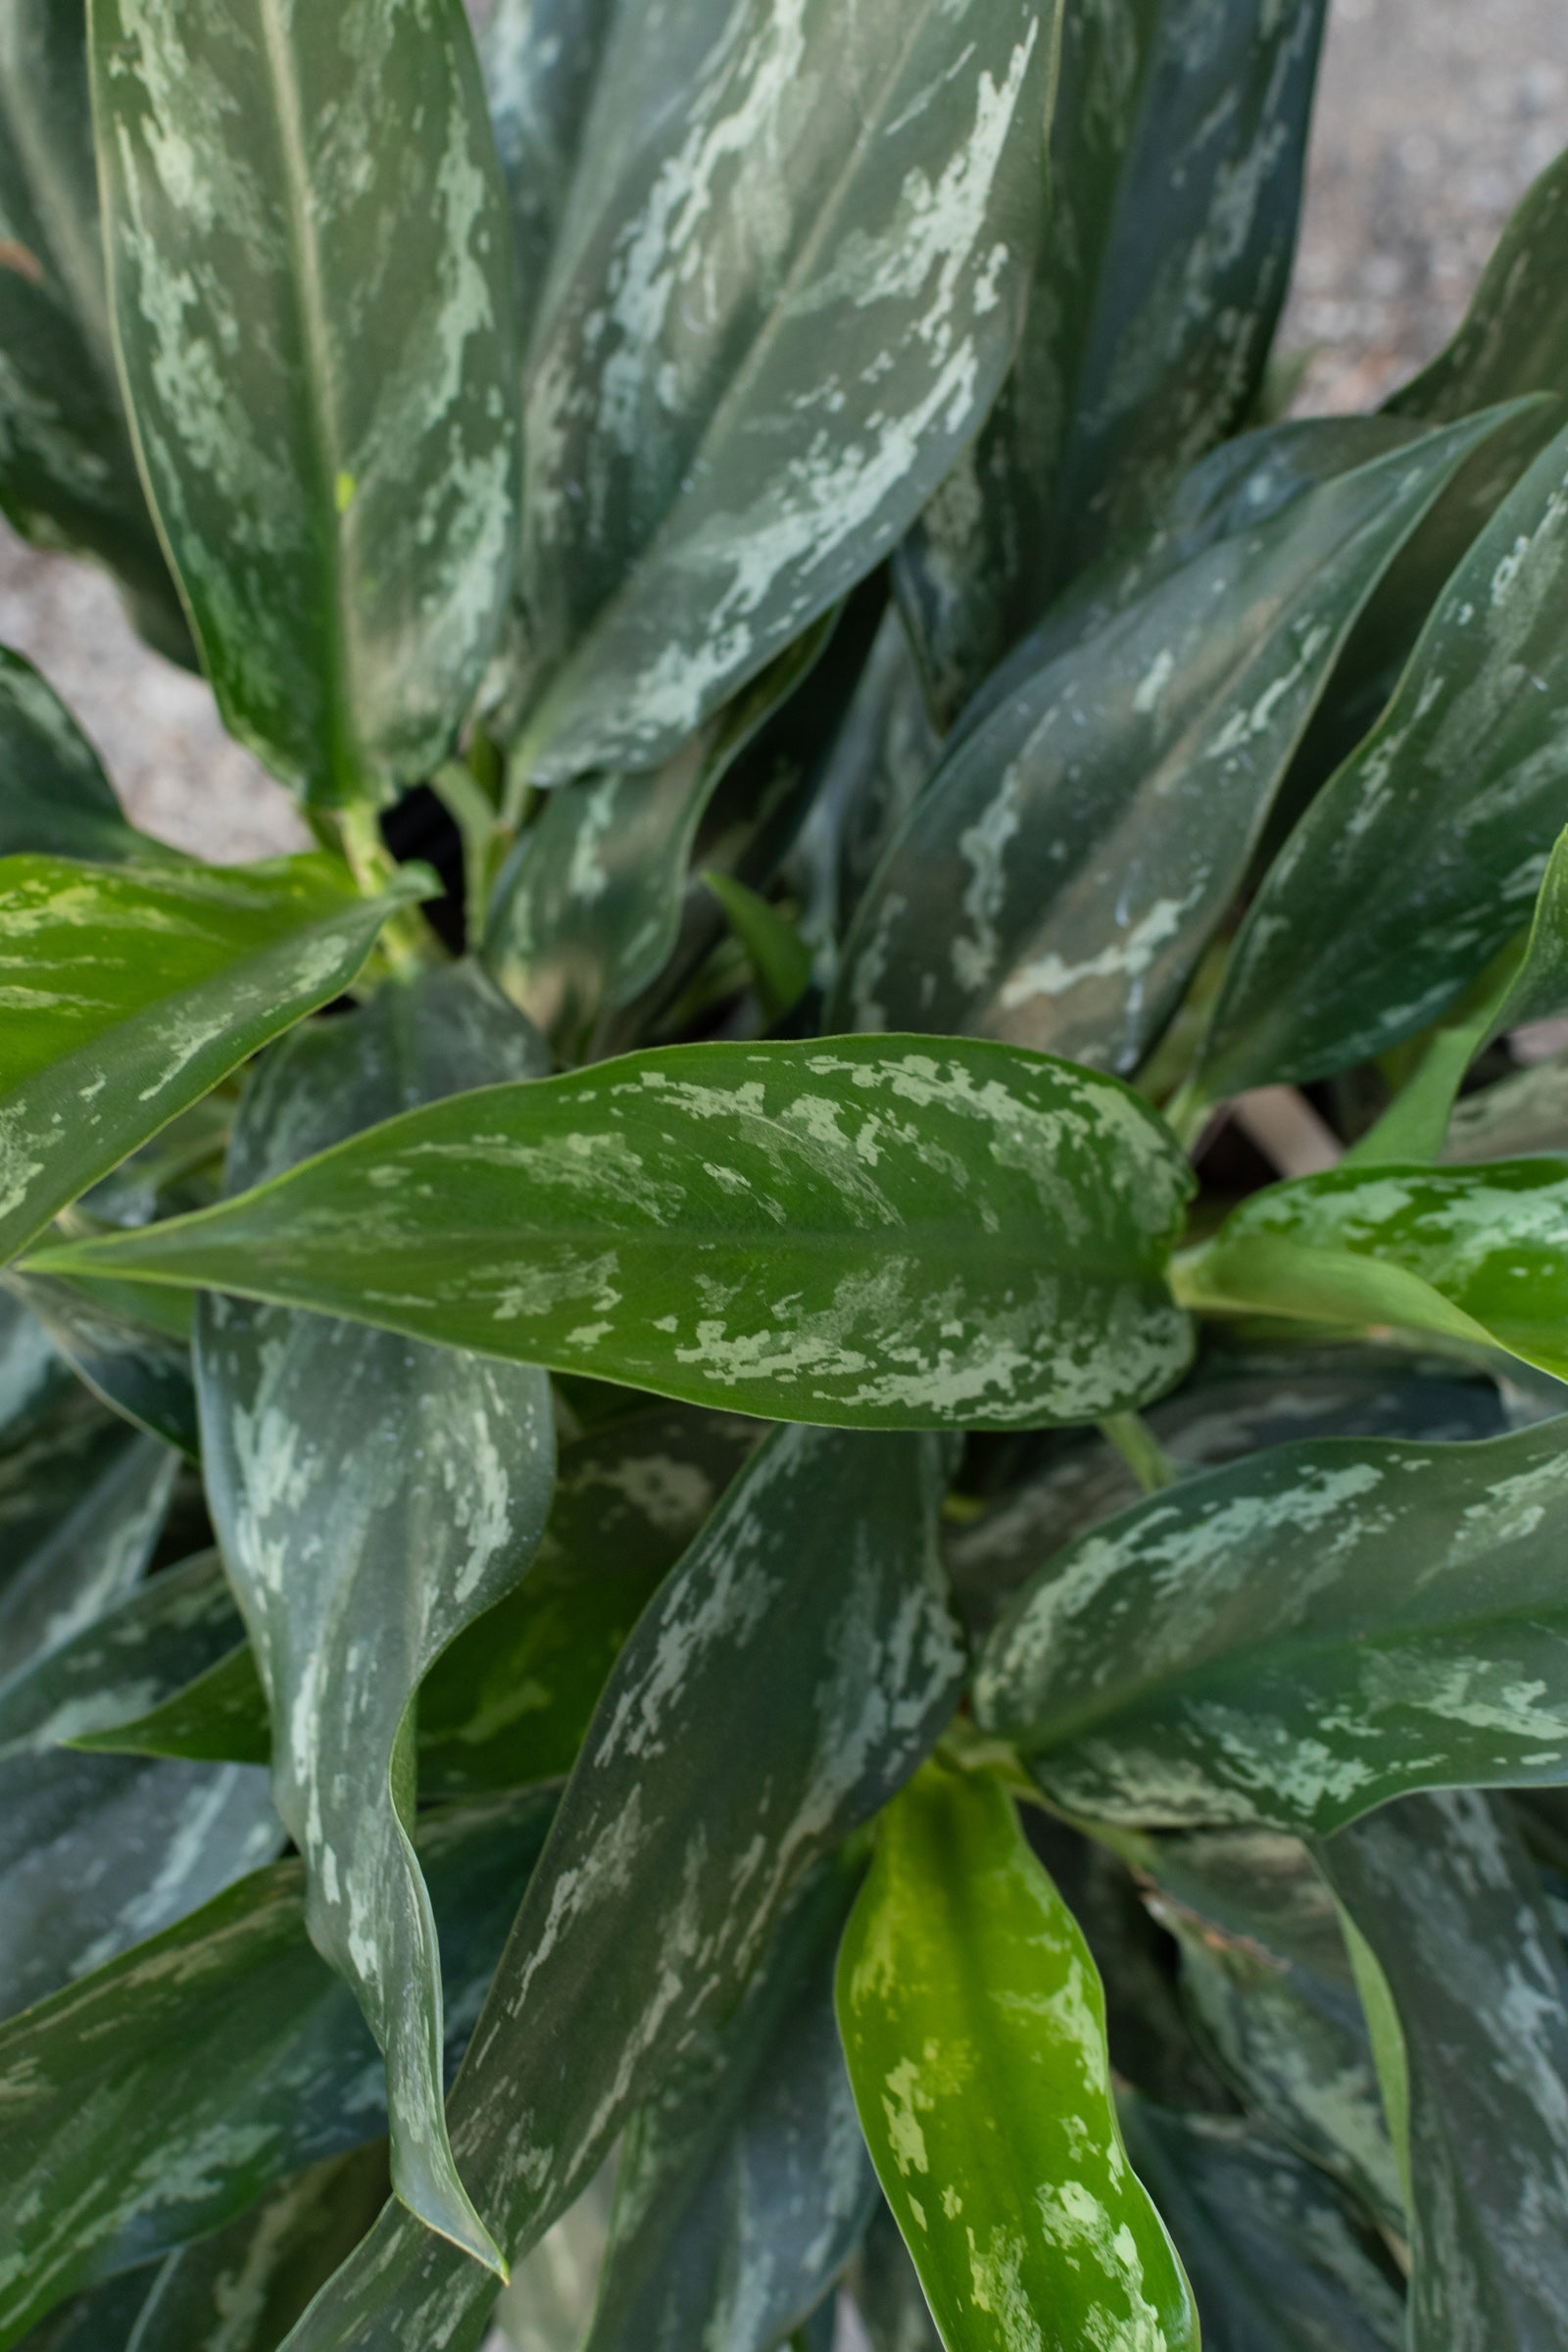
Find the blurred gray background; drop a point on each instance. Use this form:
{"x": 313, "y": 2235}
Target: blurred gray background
{"x": 1432, "y": 117}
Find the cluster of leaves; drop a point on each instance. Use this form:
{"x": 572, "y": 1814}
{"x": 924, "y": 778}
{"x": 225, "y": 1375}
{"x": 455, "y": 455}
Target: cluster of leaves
{"x": 584, "y": 1583}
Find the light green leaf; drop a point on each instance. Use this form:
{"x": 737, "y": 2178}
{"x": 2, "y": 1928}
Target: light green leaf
{"x": 1301, "y": 1637}
{"x": 415, "y": 1482}
{"x": 156, "y": 2100}
{"x": 1095, "y": 827}
{"x": 1436, "y": 830}
{"x": 1473, "y": 1253}
{"x": 1445, "y": 1899}
{"x": 860, "y": 197}
{"x": 1175, "y": 163}
{"x": 744, "y": 2183}
{"x": 974, "y": 2025}
{"x": 67, "y": 471}
{"x": 1516, "y": 333}
{"x": 143, "y": 1373}
{"x": 785, "y": 1680}
{"x": 781, "y": 960}
{"x": 130, "y": 993}
{"x": 162, "y": 1635}
{"x": 864, "y": 1232}
{"x": 1280, "y": 2260}
{"x": 320, "y": 358}
{"x": 54, "y": 796}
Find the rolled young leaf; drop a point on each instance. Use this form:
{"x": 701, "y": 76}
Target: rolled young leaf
{"x": 975, "y": 2027}
{"x": 873, "y": 1233}
{"x": 1301, "y": 1637}
{"x": 372, "y": 1498}
{"x": 320, "y": 360}
{"x": 55, "y": 798}
{"x": 787, "y": 1678}
{"x": 129, "y": 992}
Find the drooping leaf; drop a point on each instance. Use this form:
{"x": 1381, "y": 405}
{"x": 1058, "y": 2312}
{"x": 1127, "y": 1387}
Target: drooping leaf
{"x": 1299, "y": 1637}
{"x": 744, "y": 2183}
{"x": 865, "y": 1232}
{"x": 130, "y": 993}
{"x": 55, "y": 798}
{"x": 156, "y": 1640}
{"x": 860, "y": 196}
{"x": 1514, "y": 337}
{"x": 142, "y": 1372}
{"x": 372, "y": 1498}
{"x": 1280, "y": 2258}
{"x": 155, "y": 2101}
{"x": 1175, "y": 160}
{"x": 786, "y": 1679}
{"x": 1436, "y": 830}
{"x": 322, "y": 361}
{"x": 975, "y": 2027}
{"x": 1446, "y": 1903}
{"x": 1097, "y": 825}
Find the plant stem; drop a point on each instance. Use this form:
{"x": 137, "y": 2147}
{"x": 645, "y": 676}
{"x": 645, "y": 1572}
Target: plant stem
{"x": 1141, "y": 1451}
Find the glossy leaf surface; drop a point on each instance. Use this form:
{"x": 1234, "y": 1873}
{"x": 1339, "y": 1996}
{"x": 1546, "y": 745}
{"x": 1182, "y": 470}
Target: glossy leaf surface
{"x": 541, "y": 60}
{"x": 320, "y": 360}
{"x": 129, "y": 994}
{"x": 864, "y": 1232}
{"x": 55, "y": 798}
{"x": 156, "y": 2100}
{"x": 143, "y": 1372}
{"x": 974, "y": 2025}
{"x": 786, "y": 1679}
{"x": 157, "y": 1640}
{"x": 1301, "y": 1637}
{"x": 1097, "y": 823}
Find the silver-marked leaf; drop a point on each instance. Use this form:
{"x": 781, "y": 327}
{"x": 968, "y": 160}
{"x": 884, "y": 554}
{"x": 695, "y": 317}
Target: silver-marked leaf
{"x": 141, "y": 1371}
{"x": 882, "y": 757}
{"x": 744, "y": 2183}
{"x": 786, "y": 1679}
{"x": 548, "y": 2303}
{"x": 55, "y": 798}
{"x": 322, "y": 361}
{"x": 130, "y": 993}
{"x": 221, "y": 1717}
{"x": 1514, "y": 1118}
{"x": 160, "y": 1637}
{"x": 856, "y": 192}
{"x": 888, "y": 2294}
{"x": 1473, "y": 1253}
{"x": 1514, "y": 337}
{"x": 100, "y": 2321}
{"x": 864, "y": 1232}
{"x": 1449, "y": 1909}
{"x": 1280, "y": 2258}
{"x": 1436, "y": 829}
{"x": 975, "y": 2027}
{"x": 1301, "y": 1637}
{"x": 32, "y": 1378}
{"x": 541, "y": 60}
{"x": 1094, "y": 828}
{"x": 68, "y": 471}
{"x": 155, "y": 2101}
{"x": 1175, "y": 159}
{"x": 372, "y": 1497}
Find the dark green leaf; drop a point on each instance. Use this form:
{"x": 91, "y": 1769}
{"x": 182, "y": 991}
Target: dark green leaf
{"x": 541, "y": 58}
{"x": 143, "y": 1372}
{"x": 860, "y": 201}
{"x": 974, "y": 2025}
{"x": 888, "y": 2294}
{"x": 1513, "y": 1117}
{"x": 32, "y": 1378}
{"x": 104, "y": 2320}
{"x": 1096, "y": 826}
{"x": 550, "y": 2302}
{"x": 1301, "y": 1637}
{"x": 158, "y": 2099}
{"x": 1175, "y": 160}
{"x": 162, "y": 1635}
{"x": 54, "y": 796}
{"x": 322, "y": 361}
{"x": 1516, "y": 333}
{"x": 130, "y": 993}
{"x": 785, "y": 1680}
{"x": 220, "y": 1718}
{"x": 781, "y": 959}
{"x": 1452, "y": 1917}
{"x": 894, "y": 1235}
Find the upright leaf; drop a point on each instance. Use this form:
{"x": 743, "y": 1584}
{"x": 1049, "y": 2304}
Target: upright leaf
{"x": 1445, "y": 1898}
{"x": 54, "y": 796}
{"x": 1175, "y": 158}
{"x": 787, "y": 1678}
{"x": 130, "y": 993}
{"x": 858, "y": 194}
{"x": 1514, "y": 337}
{"x": 311, "y": 272}
{"x": 974, "y": 2025}
{"x": 372, "y": 1498}
{"x": 541, "y": 60}
{"x": 1300, "y": 1637}
{"x": 895, "y": 1235}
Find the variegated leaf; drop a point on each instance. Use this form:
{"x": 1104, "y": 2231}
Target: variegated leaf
{"x": 549, "y": 2304}
{"x": 892, "y": 1235}
{"x": 1514, "y": 1117}
{"x": 974, "y": 2025}
{"x": 541, "y": 60}
{"x": 1453, "y": 1930}
{"x": 1097, "y": 825}
{"x": 312, "y": 281}
{"x": 55, "y": 798}
{"x": 1516, "y": 333}
{"x": 129, "y": 992}
{"x": 888, "y": 2295}
{"x": 141, "y": 1371}
{"x": 786, "y": 1679}
{"x": 856, "y": 189}
{"x": 1175, "y": 163}
{"x": 156, "y": 1640}
{"x": 1301, "y": 1637}
{"x": 372, "y": 1498}
{"x": 154, "y": 2102}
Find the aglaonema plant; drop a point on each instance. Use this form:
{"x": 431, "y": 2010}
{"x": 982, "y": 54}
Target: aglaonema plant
{"x": 715, "y": 1627}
